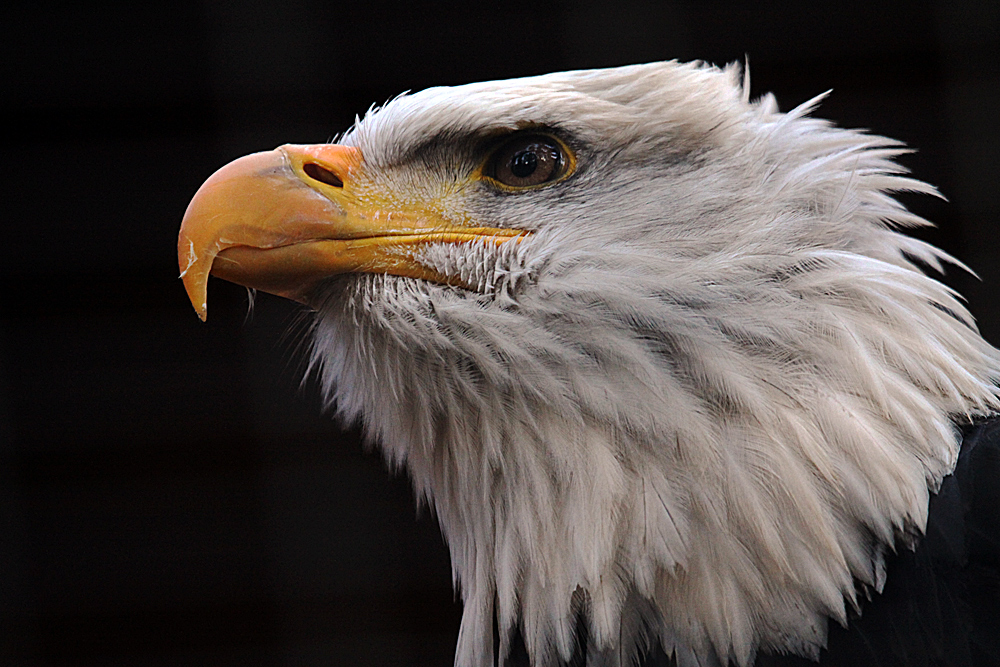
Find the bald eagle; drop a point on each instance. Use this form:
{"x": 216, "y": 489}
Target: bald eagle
{"x": 656, "y": 353}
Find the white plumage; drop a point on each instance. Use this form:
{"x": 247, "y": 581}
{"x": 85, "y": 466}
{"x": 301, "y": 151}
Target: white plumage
{"x": 696, "y": 403}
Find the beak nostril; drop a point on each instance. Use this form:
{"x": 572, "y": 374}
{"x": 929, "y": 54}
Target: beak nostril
{"x": 322, "y": 174}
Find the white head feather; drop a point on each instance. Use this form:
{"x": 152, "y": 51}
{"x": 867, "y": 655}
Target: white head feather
{"x": 698, "y": 403}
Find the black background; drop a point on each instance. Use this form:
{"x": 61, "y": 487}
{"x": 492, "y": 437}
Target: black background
{"x": 169, "y": 493}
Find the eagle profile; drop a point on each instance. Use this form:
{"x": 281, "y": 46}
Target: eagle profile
{"x": 656, "y": 354}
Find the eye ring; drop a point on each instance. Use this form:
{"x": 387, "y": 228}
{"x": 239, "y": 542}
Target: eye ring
{"x": 528, "y": 160}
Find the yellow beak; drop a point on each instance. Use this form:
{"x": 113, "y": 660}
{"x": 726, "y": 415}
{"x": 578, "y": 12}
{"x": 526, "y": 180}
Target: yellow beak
{"x": 281, "y": 221}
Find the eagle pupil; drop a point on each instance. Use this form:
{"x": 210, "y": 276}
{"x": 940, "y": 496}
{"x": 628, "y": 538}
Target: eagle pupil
{"x": 524, "y": 163}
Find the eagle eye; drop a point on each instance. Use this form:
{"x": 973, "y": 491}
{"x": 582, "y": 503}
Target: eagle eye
{"x": 525, "y": 161}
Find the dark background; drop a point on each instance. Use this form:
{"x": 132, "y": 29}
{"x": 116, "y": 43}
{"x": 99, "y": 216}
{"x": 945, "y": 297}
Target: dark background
{"x": 170, "y": 494}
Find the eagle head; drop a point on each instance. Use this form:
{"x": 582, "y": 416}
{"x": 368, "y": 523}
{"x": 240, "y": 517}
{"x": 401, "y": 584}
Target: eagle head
{"x": 656, "y": 353}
